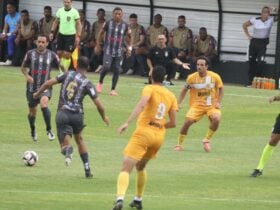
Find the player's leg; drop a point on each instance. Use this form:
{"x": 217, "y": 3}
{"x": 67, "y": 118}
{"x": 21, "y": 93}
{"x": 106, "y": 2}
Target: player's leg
{"x": 116, "y": 66}
{"x": 134, "y": 152}
{"x": 214, "y": 116}
{"x": 47, "y": 113}
{"x": 32, "y": 104}
{"x": 128, "y": 164}
{"x": 268, "y": 149}
{"x": 64, "y": 134}
{"x": 193, "y": 115}
{"x": 107, "y": 61}
{"x": 141, "y": 180}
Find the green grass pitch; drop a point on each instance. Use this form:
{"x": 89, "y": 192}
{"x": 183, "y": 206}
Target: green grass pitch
{"x": 188, "y": 180}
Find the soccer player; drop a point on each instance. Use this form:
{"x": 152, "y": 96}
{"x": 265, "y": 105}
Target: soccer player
{"x": 156, "y": 104}
{"x": 270, "y": 147}
{"x": 36, "y": 68}
{"x": 69, "y": 32}
{"x": 70, "y": 114}
{"x": 206, "y": 93}
{"x": 115, "y": 30}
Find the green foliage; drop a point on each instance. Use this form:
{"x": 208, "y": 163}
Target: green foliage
{"x": 190, "y": 179}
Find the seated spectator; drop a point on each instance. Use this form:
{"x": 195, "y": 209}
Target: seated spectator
{"x": 45, "y": 25}
{"x": 181, "y": 41}
{"x": 139, "y": 50}
{"x": 85, "y": 49}
{"x": 7, "y": 38}
{"x": 205, "y": 45}
{"x": 26, "y": 35}
{"x": 161, "y": 55}
{"x": 97, "y": 60}
{"x": 154, "y": 30}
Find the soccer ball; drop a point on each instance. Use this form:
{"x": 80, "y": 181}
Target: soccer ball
{"x": 30, "y": 158}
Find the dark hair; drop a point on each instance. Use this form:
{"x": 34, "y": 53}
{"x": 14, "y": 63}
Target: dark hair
{"x": 133, "y": 15}
{"x": 101, "y": 10}
{"x": 117, "y": 9}
{"x": 207, "y": 62}
{"x": 265, "y": 7}
{"x": 158, "y": 15}
{"x": 25, "y": 11}
{"x": 83, "y": 63}
{"x": 47, "y": 8}
{"x": 43, "y": 35}
{"x": 182, "y": 17}
{"x": 11, "y": 3}
{"x": 203, "y": 29}
{"x": 158, "y": 74}
{"x": 81, "y": 11}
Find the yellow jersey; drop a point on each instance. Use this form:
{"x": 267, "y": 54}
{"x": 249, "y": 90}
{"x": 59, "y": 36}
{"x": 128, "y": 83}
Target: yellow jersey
{"x": 155, "y": 112}
{"x": 203, "y": 90}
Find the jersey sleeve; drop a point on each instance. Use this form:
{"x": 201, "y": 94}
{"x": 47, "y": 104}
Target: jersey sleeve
{"x": 27, "y": 59}
{"x": 147, "y": 91}
{"x": 91, "y": 91}
{"x": 76, "y": 15}
{"x": 219, "y": 82}
{"x": 252, "y": 20}
{"x": 58, "y": 14}
{"x": 105, "y": 26}
{"x": 55, "y": 60}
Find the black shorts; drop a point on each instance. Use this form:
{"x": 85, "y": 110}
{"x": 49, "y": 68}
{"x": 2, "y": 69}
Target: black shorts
{"x": 68, "y": 123}
{"x": 276, "y": 127}
{"x": 65, "y": 43}
{"x": 34, "y": 102}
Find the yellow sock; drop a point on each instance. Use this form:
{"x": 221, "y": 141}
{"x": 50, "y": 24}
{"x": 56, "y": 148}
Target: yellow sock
{"x": 209, "y": 134}
{"x": 267, "y": 153}
{"x": 181, "y": 139}
{"x": 141, "y": 180}
{"x": 122, "y": 184}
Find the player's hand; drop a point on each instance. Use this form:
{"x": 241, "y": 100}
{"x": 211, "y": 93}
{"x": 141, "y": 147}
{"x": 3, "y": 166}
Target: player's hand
{"x": 186, "y": 66}
{"x": 29, "y": 79}
{"x": 106, "y": 120}
{"x": 97, "y": 49}
{"x": 51, "y": 36}
{"x": 77, "y": 41}
{"x": 122, "y": 128}
{"x": 35, "y": 95}
{"x": 218, "y": 105}
{"x": 271, "y": 99}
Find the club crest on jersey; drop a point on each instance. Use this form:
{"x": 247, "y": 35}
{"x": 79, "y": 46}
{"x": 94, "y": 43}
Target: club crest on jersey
{"x": 68, "y": 18}
{"x": 166, "y": 54}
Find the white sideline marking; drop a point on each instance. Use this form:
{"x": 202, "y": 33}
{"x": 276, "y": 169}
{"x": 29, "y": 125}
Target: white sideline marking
{"x": 252, "y": 96}
{"x": 151, "y": 196}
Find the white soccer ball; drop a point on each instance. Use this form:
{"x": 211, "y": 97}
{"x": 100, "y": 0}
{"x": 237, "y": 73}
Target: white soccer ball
{"x": 30, "y": 158}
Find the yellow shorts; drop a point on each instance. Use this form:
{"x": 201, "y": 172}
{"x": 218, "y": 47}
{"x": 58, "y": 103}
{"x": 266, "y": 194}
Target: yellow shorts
{"x": 196, "y": 113}
{"x": 144, "y": 143}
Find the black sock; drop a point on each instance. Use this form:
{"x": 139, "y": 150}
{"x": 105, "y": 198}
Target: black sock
{"x": 84, "y": 158}
{"x": 47, "y": 117}
{"x": 31, "y": 120}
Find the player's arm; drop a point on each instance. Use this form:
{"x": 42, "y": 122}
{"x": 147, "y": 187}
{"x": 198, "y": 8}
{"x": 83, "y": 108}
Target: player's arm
{"x": 182, "y": 95}
{"x": 137, "y": 110}
{"x": 99, "y": 39}
{"x": 101, "y": 110}
{"x": 220, "y": 97}
{"x": 4, "y": 31}
{"x": 53, "y": 28}
{"x": 47, "y": 85}
{"x": 172, "y": 119}
{"x": 28, "y": 78}
{"x": 180, "y": 63}
{"x": 150, "y": 65}
{"x": 245, "y": 29}
{"x": 78, "y": 31}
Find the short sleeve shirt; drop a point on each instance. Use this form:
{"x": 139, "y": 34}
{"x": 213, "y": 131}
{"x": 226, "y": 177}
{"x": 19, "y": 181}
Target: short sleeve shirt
{"x": 67, "y": 20}
{"x": 261, "y": 28}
